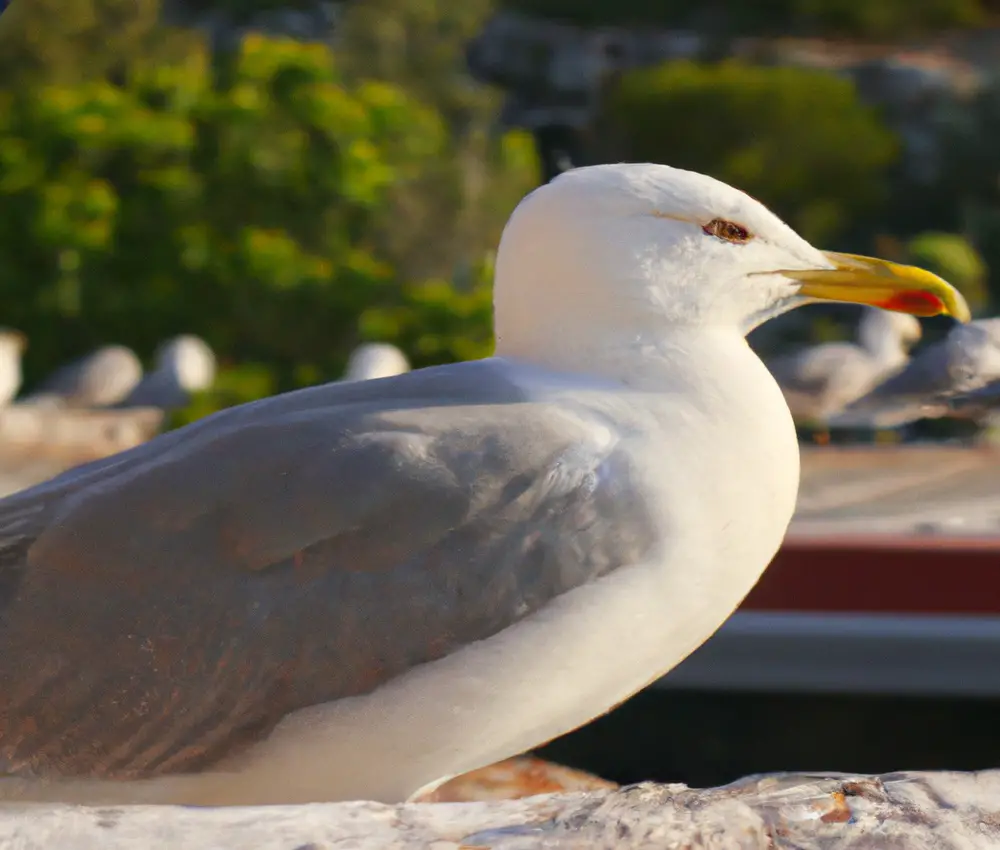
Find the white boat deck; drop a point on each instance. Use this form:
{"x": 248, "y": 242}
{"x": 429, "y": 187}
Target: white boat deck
{"x": 951, "y": 490}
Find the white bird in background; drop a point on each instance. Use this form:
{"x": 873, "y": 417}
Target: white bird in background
{"x": 966, "y": 360}
{"x": 184, "y": 365}
{"x": 361, "y": 589}
{"x": 12, "y": 346}
{"x": 821, "y": 380}
{"x": 981, "y": 405}
{"x": 100, "y": 379}
{"x": 375, "y": 360}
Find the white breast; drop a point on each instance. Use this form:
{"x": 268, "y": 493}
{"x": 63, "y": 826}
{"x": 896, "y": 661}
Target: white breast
{"x": 591, "y": 648}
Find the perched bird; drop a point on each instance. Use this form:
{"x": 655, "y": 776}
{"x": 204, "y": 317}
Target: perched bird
{"x": 184, "y": 365}
{"x": 375, "y": 360}
{"x": 100, "y": 379}
{"x": 12, "y": 346}
{"x": 820, "y": 381}
{"x": 981, "y": 406}
{"x": 967, "y": 359}
{"x": 358, "y": 590}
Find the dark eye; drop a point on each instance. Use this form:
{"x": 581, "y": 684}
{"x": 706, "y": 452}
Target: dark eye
{"x": 730, "y": 231}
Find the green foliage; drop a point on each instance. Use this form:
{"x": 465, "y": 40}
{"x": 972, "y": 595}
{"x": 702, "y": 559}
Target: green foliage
{"x": 952, "y": 257}
{"x": 244, "y": 10}
{"x": 65, "y": 42}
{"x": 797, "y": 139}
{"x": 887, "y": 18}
{"x": 238, "y": 209}
{"x": 437, "y": 321}
{"x": 453, "y": 212}
{"x": 874, "y": 19}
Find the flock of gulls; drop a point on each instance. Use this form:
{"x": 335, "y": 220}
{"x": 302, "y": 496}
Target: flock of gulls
{"x": 112, "y": 377}
{"x": 877, "y": 384}
{"x": 871, "y": 383}
{"x": 360, "y": 589}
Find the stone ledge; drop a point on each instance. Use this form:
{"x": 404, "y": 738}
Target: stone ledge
{"x": 37, "y": 443}
{"x": 915, "y": 811}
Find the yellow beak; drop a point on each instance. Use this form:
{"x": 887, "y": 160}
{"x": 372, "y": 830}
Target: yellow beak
{"x": 879, "y": 283}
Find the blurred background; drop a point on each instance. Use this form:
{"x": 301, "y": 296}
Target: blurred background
{"x": 203, "y": 202}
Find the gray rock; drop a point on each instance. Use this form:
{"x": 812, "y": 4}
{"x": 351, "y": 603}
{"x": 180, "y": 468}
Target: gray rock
{"x": 908, "y": 811}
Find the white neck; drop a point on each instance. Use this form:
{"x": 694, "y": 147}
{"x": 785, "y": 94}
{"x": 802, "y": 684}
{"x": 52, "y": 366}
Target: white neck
{"x": 674, "y": 355}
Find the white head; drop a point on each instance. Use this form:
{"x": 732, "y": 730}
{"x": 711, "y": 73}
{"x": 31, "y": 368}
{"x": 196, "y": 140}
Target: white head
{"x": 188, "y": 360}
{"x": 375, "y": 360}
{"x": 640, "y": 250}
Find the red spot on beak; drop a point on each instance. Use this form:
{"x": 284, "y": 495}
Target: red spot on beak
{"x": 917, "y": 302}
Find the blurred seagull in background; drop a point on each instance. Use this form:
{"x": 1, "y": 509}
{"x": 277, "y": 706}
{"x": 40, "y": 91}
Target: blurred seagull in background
{"x": 820, "y": 381}
{"x": 12, "y": 346}
{"x": 942, "y": 380}
{"x": 184, "y": 365}
{"x": 100, "y": 379}
{"x": 375, "y": 360}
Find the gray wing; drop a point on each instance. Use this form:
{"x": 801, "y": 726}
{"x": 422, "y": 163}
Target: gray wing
{"x": 975, "y": 403}
{"x": 967, "y": 358}
{"x": 910, "y": 394}
{"x": 159, "y": 389}
{"x": 824, "y": 377}
{"x": 163, "y": 608}
{"x": 811, "y": 369}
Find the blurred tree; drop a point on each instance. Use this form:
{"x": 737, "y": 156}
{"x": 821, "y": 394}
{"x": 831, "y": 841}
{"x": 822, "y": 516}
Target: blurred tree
{"x": 64, "y": 42}
{"x": 952, "y": 257}
{"x": 263, "y": 200}
{"x": 886, "y": 18}
{"x": 875, "y": 19}
{"x": 241, "y": 10}
{"x": 798, "y": 139}
{"x": 236, "y": 211}
{"x": 971, "y": 179}
{"x": 443, "y": 220}
{"x": 435, "y": 323}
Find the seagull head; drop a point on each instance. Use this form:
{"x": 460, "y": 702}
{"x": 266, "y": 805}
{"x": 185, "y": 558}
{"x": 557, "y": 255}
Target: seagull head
{"x": 638, "y": 249}
{"x": 188, "y": 360}
{"x": 375, "y": 360}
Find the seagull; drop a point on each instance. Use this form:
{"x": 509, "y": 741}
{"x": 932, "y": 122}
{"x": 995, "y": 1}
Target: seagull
{"x": 100, "y": 379}
{"x": 359, "y": 590}
{"x": 821, "y": 380}
{"x": 12, "y": 346}
{"x": 184, "y": 365}
{"x": 980, "y": 405}
{"x": 966, "y": 360}
{"x": 375, "y": 360}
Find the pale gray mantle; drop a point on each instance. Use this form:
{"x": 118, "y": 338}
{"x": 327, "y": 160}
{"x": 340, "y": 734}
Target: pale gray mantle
{"x": 902, "y": 811}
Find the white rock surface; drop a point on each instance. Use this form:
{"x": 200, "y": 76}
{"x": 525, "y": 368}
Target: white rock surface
{"x": 902, "y": 811}
{"x": 39, "y": 442}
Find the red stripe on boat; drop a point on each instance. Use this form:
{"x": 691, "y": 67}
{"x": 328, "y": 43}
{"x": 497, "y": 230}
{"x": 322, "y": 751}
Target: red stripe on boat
{"x": 888, "y": 575}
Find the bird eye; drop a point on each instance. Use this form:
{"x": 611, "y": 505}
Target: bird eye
{"x": 728, "y": 231}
